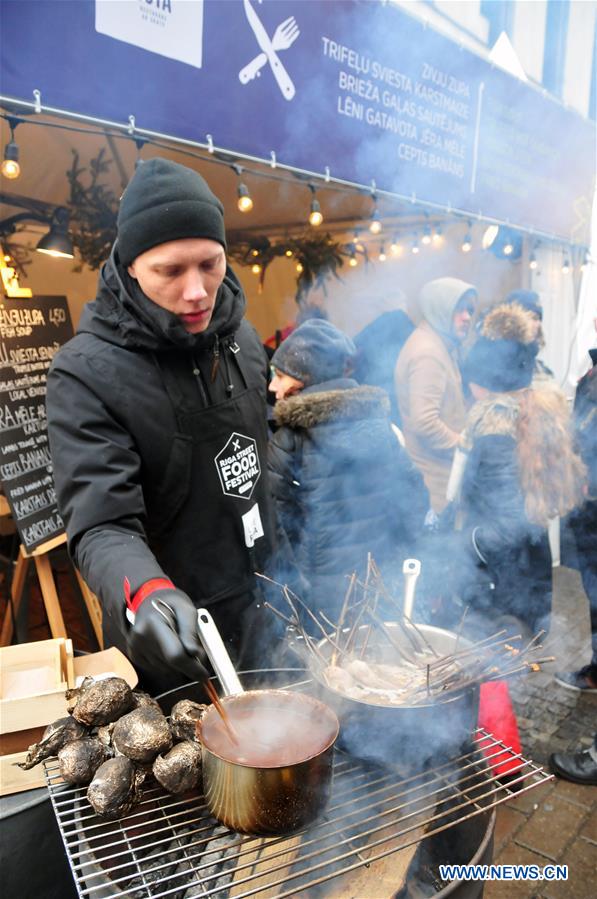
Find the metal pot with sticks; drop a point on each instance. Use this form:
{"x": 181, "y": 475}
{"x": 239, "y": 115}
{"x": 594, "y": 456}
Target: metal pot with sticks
{"x": 402, "y": 690}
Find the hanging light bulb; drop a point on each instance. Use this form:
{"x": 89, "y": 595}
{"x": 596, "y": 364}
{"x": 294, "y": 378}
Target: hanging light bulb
{"x": 467, "y": 243}
{"x": 382, "y": 254}
{"x": 353, "y": 261}
{"x": 10, "y": 167}
{"x": 256, "y": 268}
{"x": 395, "y": 247}
{"x": 375, "y": 225}
{"x": 299, "y": 267}
{"x": 508, "y": 248}
{"x": 585, "y": 261}
{"x": 565, "y": 266}
{"x": 426, "y": 238}
{"x": 533, "y": 262}
{"x": 288, "y": 253}
{"x": 315, "y": 214}
{"x": 438, "y": 237}
{"x": 415, "y": 247}
{"x": 139, "y": 143}
{"x": 244, "y": 201}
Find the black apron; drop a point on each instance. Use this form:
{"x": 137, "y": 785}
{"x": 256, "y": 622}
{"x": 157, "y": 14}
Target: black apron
{"x": 213, "y": 503}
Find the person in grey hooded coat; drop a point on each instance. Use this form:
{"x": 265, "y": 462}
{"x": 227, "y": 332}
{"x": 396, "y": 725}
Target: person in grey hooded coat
{"x": 428, "y": 382}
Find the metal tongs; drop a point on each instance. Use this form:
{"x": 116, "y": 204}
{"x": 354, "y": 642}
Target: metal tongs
{"x": 217, "y": 654}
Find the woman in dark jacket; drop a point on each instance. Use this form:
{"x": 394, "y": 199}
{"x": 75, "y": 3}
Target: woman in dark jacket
{"x": 521, "y": 468}
{"x": 343, "y": 485}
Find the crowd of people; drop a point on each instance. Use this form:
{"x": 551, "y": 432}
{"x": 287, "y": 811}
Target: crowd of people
{"x": 447, "y": 439}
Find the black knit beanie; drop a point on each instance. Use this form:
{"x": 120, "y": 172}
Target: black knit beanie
{"x": 316, "y": 352}
{"x": 166, "y": 201}
{"x": 503, "y": 357}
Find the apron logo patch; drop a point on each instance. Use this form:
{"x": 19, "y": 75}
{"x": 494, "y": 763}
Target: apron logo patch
{"x": 238, "y": 466}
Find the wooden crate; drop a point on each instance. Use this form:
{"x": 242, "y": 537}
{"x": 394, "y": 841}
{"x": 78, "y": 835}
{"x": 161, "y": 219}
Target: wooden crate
{"x": 33, "y": 681}
{"x": 34, "y": 678}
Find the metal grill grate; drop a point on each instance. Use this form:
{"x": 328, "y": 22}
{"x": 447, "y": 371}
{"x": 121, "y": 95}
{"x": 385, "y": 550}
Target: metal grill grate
{"x": 172, "y": 847}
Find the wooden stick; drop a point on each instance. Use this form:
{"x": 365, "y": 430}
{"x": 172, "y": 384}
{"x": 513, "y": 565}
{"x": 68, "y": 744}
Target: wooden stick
{"x": 211, "y": 692}
{"x": 343, "y": 611}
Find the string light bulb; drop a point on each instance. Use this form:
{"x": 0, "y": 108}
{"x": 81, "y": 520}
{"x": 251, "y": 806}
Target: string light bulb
{"x": 299, "y": 267}
{"x": 10, "y": 167}
{"x": 256, "y": 268}
{"x": 353, "y": 261}
{"x": 375, "y": 225}
{"x": 508, "y": 248}
{"x": 244, "y": 200}
{"x": 395, "y": 247}
{"x": 315, "y": 214}
{"x": 426, "y": 238}
{"x": 533, "y": 262}
{"x": 382, "y": 254}
{"x": 288, "y": 253}
{"x": 467, "y": 243}
{"x": 438, "y": 237}
{"x": 566, "y": 266}
{"x": 415, "y": 247}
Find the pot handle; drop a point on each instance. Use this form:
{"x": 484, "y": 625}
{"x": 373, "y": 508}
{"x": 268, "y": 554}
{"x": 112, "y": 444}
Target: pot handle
{"x": 411, "y": 570}
{"x": 217, "y": 653}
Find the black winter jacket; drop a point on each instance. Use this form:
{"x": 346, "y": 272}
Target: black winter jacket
{"x": 343, "y": 487}
{"x": 119, "y": 468}
{"x": 515, "y": 551}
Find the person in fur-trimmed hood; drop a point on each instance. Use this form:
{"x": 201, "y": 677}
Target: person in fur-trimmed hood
{"x": 521, "y": 469}
{"x": 343, "y": 485}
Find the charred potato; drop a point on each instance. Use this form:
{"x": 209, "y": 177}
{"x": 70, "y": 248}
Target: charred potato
{"x": 141, "y": 735}
{"x": 115, "y": 788}
{"x": 55, "y": 736}
{"x": 184, "y": 717}
{"x": 144, "y": 700}
{"x": 180, "y": 770}
{"x": 80, "y": 760}
{"x": 104, "y": 701}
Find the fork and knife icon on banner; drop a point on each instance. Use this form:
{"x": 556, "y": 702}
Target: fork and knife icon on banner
{"x": 284, "y": 36}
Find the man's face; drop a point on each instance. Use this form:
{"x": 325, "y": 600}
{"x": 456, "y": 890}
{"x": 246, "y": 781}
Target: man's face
{"x": 284, "y": 385}
{"x": 183, "y": 276}
{"x": 462, "y": 317}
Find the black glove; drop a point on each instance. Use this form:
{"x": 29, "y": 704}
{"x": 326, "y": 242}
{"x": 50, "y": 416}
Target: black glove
{"x": 164, "y": 636}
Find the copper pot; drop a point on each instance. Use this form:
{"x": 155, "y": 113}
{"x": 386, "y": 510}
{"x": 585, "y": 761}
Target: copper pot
{"x": 278, "y": 777}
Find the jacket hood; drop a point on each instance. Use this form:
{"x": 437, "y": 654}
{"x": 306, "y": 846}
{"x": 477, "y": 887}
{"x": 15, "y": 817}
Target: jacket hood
{"x": 121, "y": 314}
{"x": 438, "y": 300}
{"x": 305, "y": 410}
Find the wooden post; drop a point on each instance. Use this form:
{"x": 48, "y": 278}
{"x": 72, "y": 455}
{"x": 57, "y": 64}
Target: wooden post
{"x": 49, "y": 593}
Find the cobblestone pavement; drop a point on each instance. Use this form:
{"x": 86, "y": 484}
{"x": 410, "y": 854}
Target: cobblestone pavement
{"x": 557, "y": 822}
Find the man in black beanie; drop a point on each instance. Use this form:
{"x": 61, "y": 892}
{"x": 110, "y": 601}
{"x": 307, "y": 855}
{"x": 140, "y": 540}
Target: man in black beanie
{"x": 157, "y": 424}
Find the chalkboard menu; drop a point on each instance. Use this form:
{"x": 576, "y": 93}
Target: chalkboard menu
{"x": 31, "y": 333}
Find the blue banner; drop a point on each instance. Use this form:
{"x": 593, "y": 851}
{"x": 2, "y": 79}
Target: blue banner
{"x": 360, "y": 87}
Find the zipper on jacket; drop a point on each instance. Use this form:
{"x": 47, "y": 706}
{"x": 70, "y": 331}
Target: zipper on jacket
{"x": 215, "y": 363}
{"x": 229, "y": 385}
{"x": 200, "y": 384}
